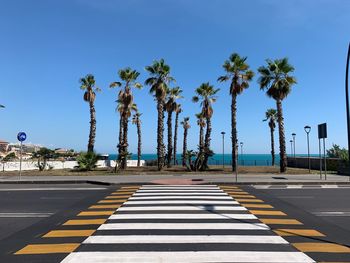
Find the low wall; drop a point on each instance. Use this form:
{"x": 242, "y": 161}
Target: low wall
{"x": 303, "y": 162}
{"x": 32, "y": 165}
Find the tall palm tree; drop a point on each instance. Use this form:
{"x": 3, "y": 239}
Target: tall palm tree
{"x": 172, "y": 95}
{"x": 159, "y": 80}
{"x": 271, "y": 116}
{"x": 238, "y": 73}
{"x": 276, "y": 80}
{"x": 88, "y": 84}
{"x": 126, "y": 99}
{"x": 206, "y": 94}
{"x": 201, "y": 124}
{"x": 137, "y": 121}
{"x": 186, "y": 125}
{"x": 178, "y": 110}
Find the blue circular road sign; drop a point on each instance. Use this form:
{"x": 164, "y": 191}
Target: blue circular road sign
{"x": 21, "y": 136}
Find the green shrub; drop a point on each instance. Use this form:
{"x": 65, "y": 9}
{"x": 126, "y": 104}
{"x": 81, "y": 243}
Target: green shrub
{"x": 87, "y": 161}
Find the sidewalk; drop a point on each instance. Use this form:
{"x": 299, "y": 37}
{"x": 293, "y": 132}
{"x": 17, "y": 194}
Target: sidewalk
{"x": 205, "y": 178}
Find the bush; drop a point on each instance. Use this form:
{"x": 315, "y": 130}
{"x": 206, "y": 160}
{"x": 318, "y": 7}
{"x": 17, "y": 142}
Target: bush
{"x": 337, "y": 152}
{"x": 87, "y": 161}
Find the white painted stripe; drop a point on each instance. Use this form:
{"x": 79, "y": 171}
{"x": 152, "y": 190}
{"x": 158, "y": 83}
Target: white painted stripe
{"x": 53, "y": 189}
{"x": 188, "y": 257}
{"x": 179, "y": 185}
{"x": 27, "y": 215}
{"x": 329, "y": 186}
{"x": 186, "y": 226}
{"x": 179, "y": 197}
{"x": 295, "y": 186}
{"x": 181, "y": 193}
{"x": 182, "y": 216}
{"x": 179, "y": 188}
{"x": 335, "y": 213}
{"x": 180, "y": 239}
{"x": 261, "y": 186}
{"x": 189, "y": 202}
{"x": 183, "y": 190}
{"x": 181, "y": 208}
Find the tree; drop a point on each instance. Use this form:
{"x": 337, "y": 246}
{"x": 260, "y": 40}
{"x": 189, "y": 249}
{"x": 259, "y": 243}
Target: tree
{"x": 88, "y": 84}
{"x": 159, "y": 80}
{"x": 201, "y": 123}
{"x": 271, "y": 116}
{"x": 337, "y": 152}
{"x": 238, "y": 73}
{"x": 173, "y": 94}
{"x": 276, "y": 80}
{"x": 136, "y": 120}
{"x": 9, "y": 157}
{"x": 125, "y": 106}
{"x": 87, "y": 161}
{"x": 206, "y": 95}
{"x": 186, "y": 125}
{"x": 178, "y": 110}
{"x": 42, "y": 156}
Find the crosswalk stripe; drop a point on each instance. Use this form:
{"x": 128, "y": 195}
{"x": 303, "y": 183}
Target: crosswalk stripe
{"x": 48, "y": 248}
{"x": 96, "y": 213}
{"x": 182, "y": 216}
{"x": 242, "y": 196}
{"x": 321, "y": 247}
{"x": 103, "y": 206}
{"x": 112, "y": 201}
{"x": 267, "y": 212}
{"x": 270, "y": 221}
{"x": 117, "y": 196}
{"x": 298, "y": 232}
{"x": 182, "y": 208}
{"x": 70, "y": 233}
{"x": 189, "y": 202}
{"x": 181, "y": 194}
{"x": 180, "y": 190}
{"x": 161, "y": 239}
{"x": 256, "y": 205}
{"x": 179, "y": 197}
{"x": 84, "y": 222}
{"x": 189, "y": 256}
{"x": 249, "y": 200}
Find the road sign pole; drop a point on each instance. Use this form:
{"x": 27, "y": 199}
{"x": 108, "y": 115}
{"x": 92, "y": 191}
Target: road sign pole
{"x": 20, "y": 162}
{"x": 325, "y": 158}
{"x": 320, "y": 157}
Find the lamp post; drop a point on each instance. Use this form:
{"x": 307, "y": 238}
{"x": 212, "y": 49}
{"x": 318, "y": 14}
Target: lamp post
{"x": 291, "y": 147}
{"x": 223, "y": 150}
{"x": 293, "y": 134}
{"x": 241, "y": 144}
{"x": 307, "y": 129}
{"x": 347, "y": 102}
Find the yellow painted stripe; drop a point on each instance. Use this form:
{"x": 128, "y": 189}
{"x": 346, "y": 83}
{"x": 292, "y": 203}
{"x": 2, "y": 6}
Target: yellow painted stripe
{"x": 237, "y": 193}
{"x": 70, "y": 233}
{"x": 48, "y": 248}
{"x": 96, "y": 213}
{"x": 103, "y": 206}
{"x": 249, "y": 200}
{"x": 123, "y": 193}
{"x": 228, "y": 187}
{"x": 270, "y": 221}
{"x": 256, "y": 205}
{"x": 298, "y": 232}
{"x": 129, "y": 187}
{"x": 242, "y": 196}
{"x": 84, "y": 222}
{"x": 321, "y": 247}
{"x": 267, "y": 212}
{"x": 117, "y": 196}
{"x": 112, "y": 201}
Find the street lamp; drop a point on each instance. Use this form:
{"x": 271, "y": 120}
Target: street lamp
{"x": 291, "y": 147}
{"x": 293, "y": 134}
{"x": 307, "y": 130}
{"x": 223, "y": 150}
{"x": 241, "y": 144}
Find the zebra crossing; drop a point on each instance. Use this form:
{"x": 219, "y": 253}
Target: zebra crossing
{"x": 184, "y": 223}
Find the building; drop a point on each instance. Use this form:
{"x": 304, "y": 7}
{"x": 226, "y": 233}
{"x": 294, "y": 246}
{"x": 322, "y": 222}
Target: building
{"x": 4, "y": 146}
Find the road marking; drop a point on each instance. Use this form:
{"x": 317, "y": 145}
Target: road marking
{"x": 52, "y": 189}
{"x": 183, "y": 216}
{"x": 188, "y": 256}
{"x": 96, "y": 213}
{"x": 296, "y": 197}
{"x": 257, "y": 205}
{"x": 112, "y": 201}
{"x": 117, "y": 196}
{"x": 267, "y": 212}
{"x": 70, "y": 233}
{"x": 182, "y": 194}
{"x": 249, "y": 200}
{"x": 242, "y": 196}
{"x": 103, "y": 206}
{"x": 181, "y": 239}
{"x": 184, "y": 190}
{"x": 123, "y": 193}
{"x": 189, "y": 202}
{"x": 321, "y": 247}
{"x": 298, "y": 232}
{"x": 335, "y": 213}
{"x": 182, "y": 226}
{"x": 237, "y": 193}
{"x": 270, "y": 221}
{"x": 78, "y": 222}
{"x": 27, "y": 215}
{"x": 179, "y": 197}
{"x": 48, "y": 248}
{"x": 182, "y": 208}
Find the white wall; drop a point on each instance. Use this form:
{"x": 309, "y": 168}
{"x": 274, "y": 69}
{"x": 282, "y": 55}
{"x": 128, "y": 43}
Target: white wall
{"x": 32, "y": 165}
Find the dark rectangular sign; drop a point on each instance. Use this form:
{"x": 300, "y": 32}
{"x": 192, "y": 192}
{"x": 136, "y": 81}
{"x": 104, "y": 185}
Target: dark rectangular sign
{"x": 322, "y": 130}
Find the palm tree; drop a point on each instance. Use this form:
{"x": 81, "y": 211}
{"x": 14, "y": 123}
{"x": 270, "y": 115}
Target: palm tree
{"x": 136, "y": 120}
{"x": 206, "y": 93}
{"x": 271, "y": 116}
{"x": 186, "y": 125}
{"x": 159, "y": 80}
{"x": 178, "y": 110}
{"x": 170, "y": 106}
{"x": 276, "y": 80}
{"x": 125, "y": 100}
{"x": 238, "y": 73}
{"x": 201, "y": 124}
{"x": 88, "y": 84}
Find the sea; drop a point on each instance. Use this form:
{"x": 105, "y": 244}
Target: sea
{"x": 217, "y": 159}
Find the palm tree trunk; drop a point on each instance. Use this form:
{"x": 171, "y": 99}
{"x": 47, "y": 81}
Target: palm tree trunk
{"x": 201, "y": 142}
{"x": 184, "y": 149}
{"x": 92, "y": 134}
{"x": 175, "y": 135}
{"x": 138, "y": 142}
{"x": 272, "y": 144}
{"x": 160, "y": 132}
{"x": 282, "y": 140}
{"x": 234, "y": 132}
{"x": 120, "y": 136}
{"x": 170, "y": 138}
{"x": 206, "y": 145}
{"x": 125, "y": 143}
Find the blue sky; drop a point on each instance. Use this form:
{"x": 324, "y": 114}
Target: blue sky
{"x": 46, "y": 46}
